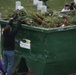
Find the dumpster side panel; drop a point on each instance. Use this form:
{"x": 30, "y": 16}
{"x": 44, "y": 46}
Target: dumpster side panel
{"x": 61, "y": 45}
{"x": 61, "y": 51}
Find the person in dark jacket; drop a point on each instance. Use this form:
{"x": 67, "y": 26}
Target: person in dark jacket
{"x": 2, "y": 68}
{"x": 72, "y": 6}
{"x": 9, "y": 44}
{"x": 45, "y": 2}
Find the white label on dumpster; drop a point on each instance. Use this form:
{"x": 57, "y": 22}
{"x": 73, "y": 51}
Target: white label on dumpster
{"x": 25, "y": 44}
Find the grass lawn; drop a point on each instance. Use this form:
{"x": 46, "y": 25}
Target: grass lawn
{"x": 7, "y": 6}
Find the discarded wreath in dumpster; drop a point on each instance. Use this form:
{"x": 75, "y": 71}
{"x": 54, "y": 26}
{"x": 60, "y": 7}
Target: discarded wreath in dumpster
{"x": 50, "y": 19}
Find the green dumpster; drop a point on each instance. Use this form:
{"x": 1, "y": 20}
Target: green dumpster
{"x": 47, "y": 51}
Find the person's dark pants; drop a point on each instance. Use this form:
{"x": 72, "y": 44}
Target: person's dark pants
{"x": 45, "y": 3}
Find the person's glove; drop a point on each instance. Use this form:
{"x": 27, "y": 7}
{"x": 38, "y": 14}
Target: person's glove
{"x": 19, "y": 18}
{"x": 14, "y": 16}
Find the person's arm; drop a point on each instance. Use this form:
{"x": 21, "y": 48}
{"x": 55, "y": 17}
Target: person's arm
{"x": 18, "y": 27}
{"x": 2, "y": 67}
{"x": 11, "y": 20}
